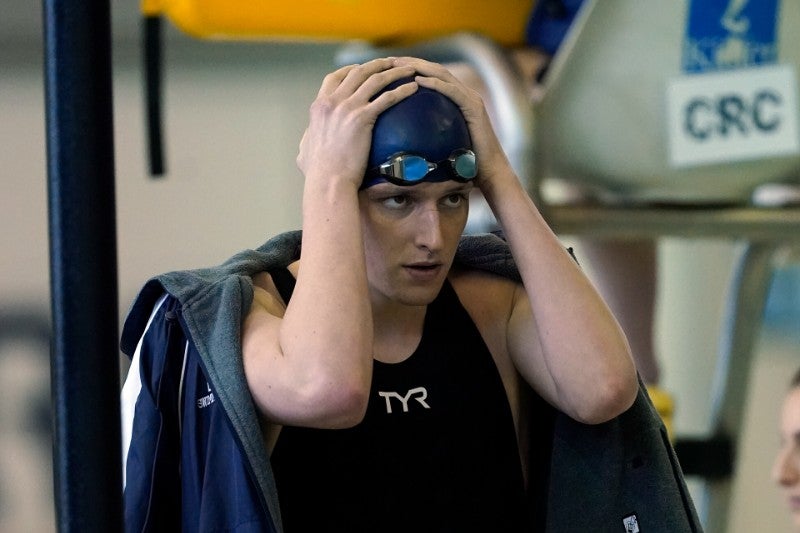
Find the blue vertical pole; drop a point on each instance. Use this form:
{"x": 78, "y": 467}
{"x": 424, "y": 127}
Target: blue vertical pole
{"x": 83, "y": 265}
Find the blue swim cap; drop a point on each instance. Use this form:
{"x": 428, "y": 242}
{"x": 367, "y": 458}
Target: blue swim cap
{"x": 426, "y": 124}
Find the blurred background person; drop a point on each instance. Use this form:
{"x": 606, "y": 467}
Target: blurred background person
{"x": 786, "y": 470}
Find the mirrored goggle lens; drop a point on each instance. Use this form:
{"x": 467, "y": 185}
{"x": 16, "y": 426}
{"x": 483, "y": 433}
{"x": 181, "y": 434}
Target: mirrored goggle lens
{"x": 464, "y": 164}
{"x": 408, "y": 168}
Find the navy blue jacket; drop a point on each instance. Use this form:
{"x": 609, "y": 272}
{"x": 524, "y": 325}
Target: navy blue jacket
{"x": 197, "y": 460}
{"x": 184, "y": 467}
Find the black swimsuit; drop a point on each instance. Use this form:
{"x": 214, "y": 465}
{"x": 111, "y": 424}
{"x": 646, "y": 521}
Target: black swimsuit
{"x": 436, "y": 451}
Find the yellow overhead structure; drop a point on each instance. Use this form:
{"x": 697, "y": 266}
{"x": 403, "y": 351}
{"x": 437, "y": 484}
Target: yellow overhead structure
{"x": 379, "y": 23}
{"x": 401, "y": 22}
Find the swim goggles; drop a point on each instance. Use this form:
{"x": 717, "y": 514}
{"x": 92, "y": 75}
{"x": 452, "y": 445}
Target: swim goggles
{"x": 409, "y": 169}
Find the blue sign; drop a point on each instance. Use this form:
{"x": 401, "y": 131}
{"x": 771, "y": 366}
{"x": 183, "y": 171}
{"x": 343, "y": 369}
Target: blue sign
{"x": 729, "y": 34}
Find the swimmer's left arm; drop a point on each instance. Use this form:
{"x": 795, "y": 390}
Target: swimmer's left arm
{"x": 561, "y": 335}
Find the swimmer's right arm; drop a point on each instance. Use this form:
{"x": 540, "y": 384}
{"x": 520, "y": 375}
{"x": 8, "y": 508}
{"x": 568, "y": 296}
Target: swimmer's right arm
{"x": 312, "y": 365}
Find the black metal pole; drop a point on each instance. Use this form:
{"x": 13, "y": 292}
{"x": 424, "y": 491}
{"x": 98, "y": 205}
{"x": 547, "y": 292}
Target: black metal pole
{"x": 83, "y": 266}
{"x": 152, "y": 45}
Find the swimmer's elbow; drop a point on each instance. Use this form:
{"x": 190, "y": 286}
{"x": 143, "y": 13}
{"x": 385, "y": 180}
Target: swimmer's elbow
{"x": 611, "y": 398}
{"x": 335, "y": 404}
{"x": 346, "y": 407}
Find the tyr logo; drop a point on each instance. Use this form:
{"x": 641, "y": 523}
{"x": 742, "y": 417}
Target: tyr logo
{"x": 418, "y": 393}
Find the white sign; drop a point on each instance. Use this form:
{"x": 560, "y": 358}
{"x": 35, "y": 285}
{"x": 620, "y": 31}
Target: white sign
{"x": 735, "y": 115}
